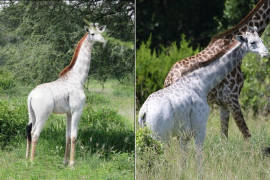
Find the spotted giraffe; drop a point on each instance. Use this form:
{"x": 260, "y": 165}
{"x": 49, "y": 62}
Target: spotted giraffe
{"x": 181, "y": 110}
{"x": 225, "y": 94}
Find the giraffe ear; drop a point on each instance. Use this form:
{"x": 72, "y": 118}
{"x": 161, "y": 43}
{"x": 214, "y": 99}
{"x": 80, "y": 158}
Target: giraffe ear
{"x": 240, "y": 38}
{"x": 102, "y": 28}
{"x": 86, "y": 28}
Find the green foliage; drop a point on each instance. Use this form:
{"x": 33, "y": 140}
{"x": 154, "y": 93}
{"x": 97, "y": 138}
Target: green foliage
{"x": 255, "y": 93}
{"x": 6, "y": 80}
{"x": 13, "y": 119}
{"x": 38, "y": 38}
{"x": 234, "y": 11}
{"x": 152, "y": 68}
{"x": 116, "y": 60}
{"x": 144, "y": 142}
{"x": 166, "y": 20}
{"x": 96, "y": 98}
{"x": 105, "y": 131}
{"x": 148, "y": 150}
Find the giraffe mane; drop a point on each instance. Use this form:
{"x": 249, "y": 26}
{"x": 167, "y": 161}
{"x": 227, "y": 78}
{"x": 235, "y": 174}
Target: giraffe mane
{"x": 192, "y": 63}
{"x": 74, "y": 58}
{"x": 241, "y": 23}
{"x": 209, "y": 60}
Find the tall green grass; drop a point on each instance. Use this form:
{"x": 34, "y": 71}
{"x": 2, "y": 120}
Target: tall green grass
{"x": 223, "y": 159}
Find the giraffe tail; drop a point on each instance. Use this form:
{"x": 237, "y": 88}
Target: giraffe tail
{"x": 142, "y": 117}
{"x": 31, "y": 119}
{"x": 266, "y": 151}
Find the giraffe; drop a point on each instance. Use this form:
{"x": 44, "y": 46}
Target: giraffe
{"x": 182, "y": 109}
{"x": 64, "y": 95}
{"x": 225, "y": 94}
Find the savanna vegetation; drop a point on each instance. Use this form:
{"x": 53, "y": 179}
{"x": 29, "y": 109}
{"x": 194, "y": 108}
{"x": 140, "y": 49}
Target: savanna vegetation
{"x": 178, "y": 30}
{"x": 37, "y": 40}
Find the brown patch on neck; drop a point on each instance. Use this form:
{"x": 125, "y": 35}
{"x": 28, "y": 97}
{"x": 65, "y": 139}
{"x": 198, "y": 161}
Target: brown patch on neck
{"x": 229, "y": 33}
{"x": 74, "y": 58}
{"x": 201, "y": 62}
{"x": 203, "y": 58}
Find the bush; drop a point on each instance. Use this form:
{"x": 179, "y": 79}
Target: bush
{"x": 148, "y": 149}
{"x": 152, "y": 68}
{"x": 96, "y": 98}
{"x": 106, "y": 131}
{"x": 116, "y": 60}
{"x": 144, "y": 142}
{"x": 13, "y": 119}
{"x": 6, "y": 81}
{"x": 255, "y": 94}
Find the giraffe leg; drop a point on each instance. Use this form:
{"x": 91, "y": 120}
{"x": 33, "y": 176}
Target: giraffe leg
{"x": 239, "y": 119}
{"x": 68, "y": 140}
{"x": 33, "y": 150}
{"x": 37, "y": 127}
{"x": 184, "y": 141}
{"x": 74, "y": 130}
{"x": 224, "y": 120}
{"x": 72, "y": 152}
{"x": 199, "y": 139}
{"x": 199, "y": 119}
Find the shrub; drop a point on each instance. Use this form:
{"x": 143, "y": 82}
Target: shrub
{"x": 255, "y": 92}
{"x": 13, "y": 119}
{"x": 96, "y": 98}
{"x": 106, "y": 131}
{"x": 148, "y": 149}
{"x": 6, "y": 81}
{"x": 152, "y": 68}
{"x": 115, "y": 60}
{"x": 144, "y": 142}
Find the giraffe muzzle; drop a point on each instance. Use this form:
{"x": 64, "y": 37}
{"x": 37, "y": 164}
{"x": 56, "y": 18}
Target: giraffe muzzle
{"x": 265, "y": 54}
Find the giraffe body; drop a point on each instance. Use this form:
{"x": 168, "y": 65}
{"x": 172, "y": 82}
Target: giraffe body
{"x": 226, "y": 94}
{"x": 182, "y": 108}
{"x": 63, "y": 96}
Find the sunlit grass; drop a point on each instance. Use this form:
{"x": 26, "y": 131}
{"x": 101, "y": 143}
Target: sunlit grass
{"x": 119, "y": 95}
{"x": 101, "y": 153}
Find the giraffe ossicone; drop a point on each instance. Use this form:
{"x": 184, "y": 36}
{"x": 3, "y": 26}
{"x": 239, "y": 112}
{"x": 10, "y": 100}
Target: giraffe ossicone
{"x": 63, "y": 96}
{"x": 182, "y": 108}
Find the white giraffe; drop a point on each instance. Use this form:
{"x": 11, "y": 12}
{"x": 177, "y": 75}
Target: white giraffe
{"x": 64, "y": 95}
{"x": 181, "y": 109}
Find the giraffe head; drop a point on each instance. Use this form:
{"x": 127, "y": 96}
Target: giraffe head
{"x": 95, "y": 33}
{"x": 253, "y": 43}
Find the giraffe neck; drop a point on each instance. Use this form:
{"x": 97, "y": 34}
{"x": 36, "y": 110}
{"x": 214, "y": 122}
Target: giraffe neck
{"x": 220, "y": 44}
{"x": 206, "y": 78}
{"x": 80, "y": 69}
{"x": 258, "y": 16}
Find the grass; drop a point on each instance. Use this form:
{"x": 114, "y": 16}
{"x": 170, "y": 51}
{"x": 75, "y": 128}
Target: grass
{"x": 118, "y": 96}
{"x": 48, "y": 166}
{"x": 105, "y": 146}
{"x": 223, "y": 159}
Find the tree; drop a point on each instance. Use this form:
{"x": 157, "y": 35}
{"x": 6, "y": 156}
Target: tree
{"x": 166, "y": 20}
{"x": 39, "y": 37}
{"x": 234, "y": 11}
